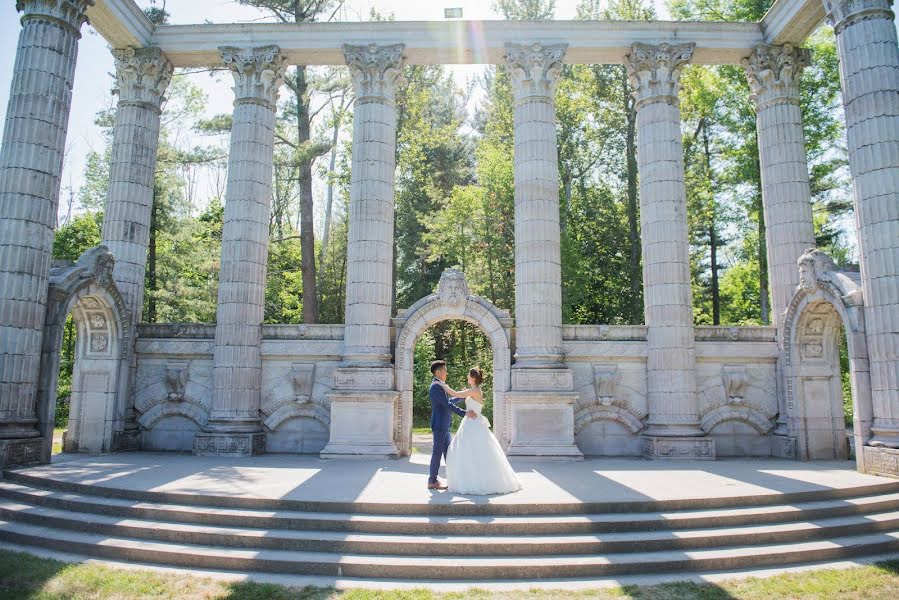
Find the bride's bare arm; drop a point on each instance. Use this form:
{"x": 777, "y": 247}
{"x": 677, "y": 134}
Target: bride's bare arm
{"x": 454, "y": 393}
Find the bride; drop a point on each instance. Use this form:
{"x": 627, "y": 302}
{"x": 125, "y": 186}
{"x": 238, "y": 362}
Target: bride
{"x": 475, "y": 462}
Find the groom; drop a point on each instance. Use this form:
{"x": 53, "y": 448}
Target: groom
{"x": 441, "y": 420}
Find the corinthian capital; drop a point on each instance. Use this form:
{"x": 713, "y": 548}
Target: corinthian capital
{"x": 142, "y": 75}
{"x": 654, "y": 71}
{"x": 774, "y": 73}
{"x": 376, "y": 70}
{"x": 258, "y": 73}
{"x": 69, "y": 13}
{"x": 534, "y": 68}
{"x": 841, "y": 13}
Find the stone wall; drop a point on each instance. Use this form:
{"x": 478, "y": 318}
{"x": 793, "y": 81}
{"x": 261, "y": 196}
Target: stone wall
{"x": 173, "y": 391}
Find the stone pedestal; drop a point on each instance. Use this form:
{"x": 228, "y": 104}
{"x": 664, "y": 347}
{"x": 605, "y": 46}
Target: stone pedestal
{"x": 869, "y": 74}
{"x": 31, "y": 159}
{"x": 234, "y": 426}
{"x": 774, "y": 73}
{"x": 654, "y": 73}
{"x": 364, "y": 414}
{"x": 534, "y": 71}
{"x": 541, "y": 414}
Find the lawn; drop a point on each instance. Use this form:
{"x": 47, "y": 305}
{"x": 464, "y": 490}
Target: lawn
{"x": 26, "y": 576}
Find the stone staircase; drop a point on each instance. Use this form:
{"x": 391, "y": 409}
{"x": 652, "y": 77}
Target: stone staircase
{"x": 449, "y": 542}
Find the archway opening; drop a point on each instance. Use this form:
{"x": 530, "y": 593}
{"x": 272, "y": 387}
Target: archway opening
{"x": 821, "y": 384}
{"x": 462, "y": 345}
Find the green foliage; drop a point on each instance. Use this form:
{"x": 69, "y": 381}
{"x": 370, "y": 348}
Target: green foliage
{"x": 462, "y": 346}
{"x": 81, "y": 233}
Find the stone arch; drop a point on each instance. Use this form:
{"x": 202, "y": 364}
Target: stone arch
{"x": 452, "y": 302}
{"x": 103, "y": 334}
{"x": 745, "y": 413}
{"x": 825, "y": 301}
{"x": 599, "y": 412}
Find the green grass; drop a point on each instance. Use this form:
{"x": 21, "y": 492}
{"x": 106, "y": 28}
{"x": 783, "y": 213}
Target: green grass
{"x": 24, "y": 576}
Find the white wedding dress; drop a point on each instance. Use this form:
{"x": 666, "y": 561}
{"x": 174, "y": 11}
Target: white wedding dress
{"x": 475, "y": 462}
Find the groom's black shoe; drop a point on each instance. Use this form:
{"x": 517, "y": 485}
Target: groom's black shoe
{"x": 436, "y": 486}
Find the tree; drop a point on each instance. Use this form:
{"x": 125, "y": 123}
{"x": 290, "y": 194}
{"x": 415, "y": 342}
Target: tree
{"x": 304, "y": 149}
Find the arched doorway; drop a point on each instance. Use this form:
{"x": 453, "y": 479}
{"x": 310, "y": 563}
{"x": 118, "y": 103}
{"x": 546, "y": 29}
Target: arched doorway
{"x": 826, "y": 301}
{"x": 451, "y": 302}
{"x": 103, "y": 333}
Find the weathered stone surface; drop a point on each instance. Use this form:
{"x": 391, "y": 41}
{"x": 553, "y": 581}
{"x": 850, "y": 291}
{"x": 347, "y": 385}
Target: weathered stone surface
{"x": 869, "y": 74}
{"x": 31, "y": 160}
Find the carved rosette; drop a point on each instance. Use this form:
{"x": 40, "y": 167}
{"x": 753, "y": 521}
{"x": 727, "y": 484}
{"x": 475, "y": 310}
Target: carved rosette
{"x": 376, "y": 70}
{"x": 70, "y": 13}
{"x": 142, "y": 76}
{"x": 258, "y": 73}
{"x": 774, "y": 73}
{"x": 654, "y": 71}
{"x": 841, "y": 13}
{"x": 534, "y": 68}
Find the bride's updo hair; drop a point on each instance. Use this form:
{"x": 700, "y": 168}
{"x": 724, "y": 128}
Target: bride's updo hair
{"x": 476, "y": 374}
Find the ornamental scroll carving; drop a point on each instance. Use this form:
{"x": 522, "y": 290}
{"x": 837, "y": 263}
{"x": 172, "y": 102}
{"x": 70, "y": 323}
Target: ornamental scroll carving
{"x": 841, "y": 13}
{"x": 654, "y": 71}
{"x": 774, "y": 72}
{"x": 376, "y": 70}
{"x": 258, "y": 73}
{"x": 142, "y": 75}
{"x": 70, "y": 12}
{"x": 534, "y": 68}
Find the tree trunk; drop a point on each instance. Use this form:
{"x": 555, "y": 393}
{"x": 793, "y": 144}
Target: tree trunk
{"x": 329, "y": 203}
{"x": 636, "y": 279}
{"x": 713, "y": 234}
{"x": 764, "y": 304}
{"x": 307, "y": 232}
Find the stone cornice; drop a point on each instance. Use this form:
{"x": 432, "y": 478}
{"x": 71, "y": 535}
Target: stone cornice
{"x": 377, "y": 70}
{"x": 774, "y": 72}
{"x": 142, "y": 75}
{"x": 258, "y": 73}
{"x": 654, "y": 71}
{"x": 69, "y": 13}
{"x": 534, "y": 68}
{"x": 841, "y": 13}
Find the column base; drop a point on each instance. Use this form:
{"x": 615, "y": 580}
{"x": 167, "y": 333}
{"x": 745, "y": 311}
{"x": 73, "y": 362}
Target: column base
{"x": 881, "y": 461}
{"x": 126, "y": 441}
{"x": 883, "y": 435}
{"x": 234, "y": 444}
{"x": 693, "y": 448}
{"x": 541, "y": 414}
{"x": 21, "y": 453}
{"x": 363, "y": 423}
{"x": 783, "y": 446}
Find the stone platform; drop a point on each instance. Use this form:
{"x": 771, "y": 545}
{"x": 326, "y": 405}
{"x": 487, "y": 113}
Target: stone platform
{"x": 351, "y": 522}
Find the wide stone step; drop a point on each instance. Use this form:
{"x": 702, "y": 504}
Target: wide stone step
{"x": 461, "y": 545}
{"x": 454, "y": 509}
{"x": 445, "y": 525}
{"x": 437, "y": 567}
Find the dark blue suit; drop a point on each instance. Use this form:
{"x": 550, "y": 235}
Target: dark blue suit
{"x": 441, "y": 421}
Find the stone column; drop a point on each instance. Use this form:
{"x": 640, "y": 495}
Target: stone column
{"x": 534, "y": 71}
{"x": 542, "y": 387}
{"x": 773, "y": 73}
{"x": 31, "y": 160}
{"x": 142, "y": 76}
{"x": 673, "y": 425}
{"x": 376, "y": 71}
{"x": 869, "y": 74}
{"x": 234, "y": 428}
{"x": 365, "y": 412}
